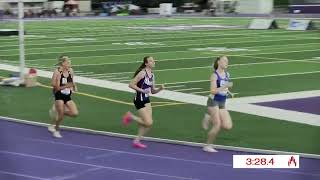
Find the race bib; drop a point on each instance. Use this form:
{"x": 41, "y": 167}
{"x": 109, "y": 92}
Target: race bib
{"x": 64, "y": 81}
{"x": 222, "y": 83}
{"x": 66, "y": 91}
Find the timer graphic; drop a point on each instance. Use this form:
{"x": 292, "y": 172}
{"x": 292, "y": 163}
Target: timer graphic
{"x": 265, "y": 161}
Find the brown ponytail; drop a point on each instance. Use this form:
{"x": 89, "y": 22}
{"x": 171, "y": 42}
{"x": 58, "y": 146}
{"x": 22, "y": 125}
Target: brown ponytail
{"x": 215, "y": 64}
{"x": 143, "y": 65}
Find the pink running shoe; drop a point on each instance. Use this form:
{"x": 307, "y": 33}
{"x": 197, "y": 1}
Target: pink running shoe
{"x": 139, "y": 145}
{"x": 127, "y": 118}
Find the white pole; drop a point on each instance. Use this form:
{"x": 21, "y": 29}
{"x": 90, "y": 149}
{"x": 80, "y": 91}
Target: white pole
{"x": 222, "y": 7}
{"x": 21, "y": 39}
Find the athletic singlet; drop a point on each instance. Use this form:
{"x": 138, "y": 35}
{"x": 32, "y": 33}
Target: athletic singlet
{"x": 221, "y": 96}
{"x": 64, "y": 81}
{"x": 145, "y": 83}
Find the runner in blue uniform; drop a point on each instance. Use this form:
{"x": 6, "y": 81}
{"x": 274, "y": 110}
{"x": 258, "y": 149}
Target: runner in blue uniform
{"x": 217, "y": 113}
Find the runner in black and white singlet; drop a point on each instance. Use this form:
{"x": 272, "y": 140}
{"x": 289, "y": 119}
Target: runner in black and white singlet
{"x": 217, "y": 113}
{"x": 63, "y": 85}
{"x": 143, "y": 83}
{"x": 142, "y": 98}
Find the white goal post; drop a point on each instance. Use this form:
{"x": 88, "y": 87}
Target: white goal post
{"x": 21, "y": 32}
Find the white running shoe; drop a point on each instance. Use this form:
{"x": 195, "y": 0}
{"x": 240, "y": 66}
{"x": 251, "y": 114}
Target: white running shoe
{"x": 51, "y": 128}
{"x": 209, "y": 148}
{"x": 56, "y": 134}
{"x": 206, "y": 121}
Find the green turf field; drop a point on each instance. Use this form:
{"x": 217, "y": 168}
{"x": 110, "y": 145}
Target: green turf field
{"x": 261, "y": 62}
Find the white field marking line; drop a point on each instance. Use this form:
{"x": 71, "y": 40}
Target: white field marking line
{"x": 129, "y": 153}
{"x": 111, "y": 63}
{"x": 120, "y": 41}
{"x": 92, "y": 31}
{"x": 102, "y": 25}
{"x": 174, "y": 69}
{"x": 67, "y": 29}
{"x": 200, "y": 67}
{"x": 102, "y": 76}
{"x": 74, "y": 175}
{"x": 9, "y": 61}
{"x": 111, "y": 34}
{"x": 164, "y": 60}
{"x": 13, "y": 63}
{"x": 208, "y": 92}
{"x": 160, "y": 46}
{"x": 117, "y": 78}
{"x": 46, "y": 69}
{"x": 22, "y": 175}
{"x": 115, "y": 29}
{"x": 258, "y": 57}
{"x": 288, "y": 35}
{"x": 121, "y": 27}
{"x": 109, "y": 38}
{"x": 276, "y": 97}
{"x": 82, "y": 35}
{"x": 98, "y": 74}
{"x": 103, "y": 45}
{"x": 114, "y": 75}
{"x": 128, "y": 28}
{"x": 248, "y": 77}
{"x": 125, "y": 40}
{"x": 116, "y": 55}
{"x": 124, "y": 81}
{"x": 176, "y": 142}
{"x": 283, "y": 59}
{"x": 40, "y": 66}
{"x": 101, "y": 155}
{"x": 201, "y": 92}
{"x": 118, "y": 28}
{"x": 304, "y": 118}
{"x": 92, "y": 165}
{"x": 230, "y": 65}
{"x": 134, "y": 62}
{"x": 84, "y": 73}
{"x": 31, "y": 64}
{"x": 271, "y": 62}
{"x": 187, "y": 89}
{"x": 177, "y": 86}
{"x": 281, "y": 52}
{"x": 204, "y": 67}
{"x": 276, "y": 113}
{"x": 110, "y": 49}
{"x": 313, "y": 61}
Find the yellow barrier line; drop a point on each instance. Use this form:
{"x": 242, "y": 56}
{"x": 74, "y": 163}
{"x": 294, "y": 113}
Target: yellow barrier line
{"x": 94, "y": 96}
{"x": 169, "y": 104}
{"x": 161, "y": 104}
